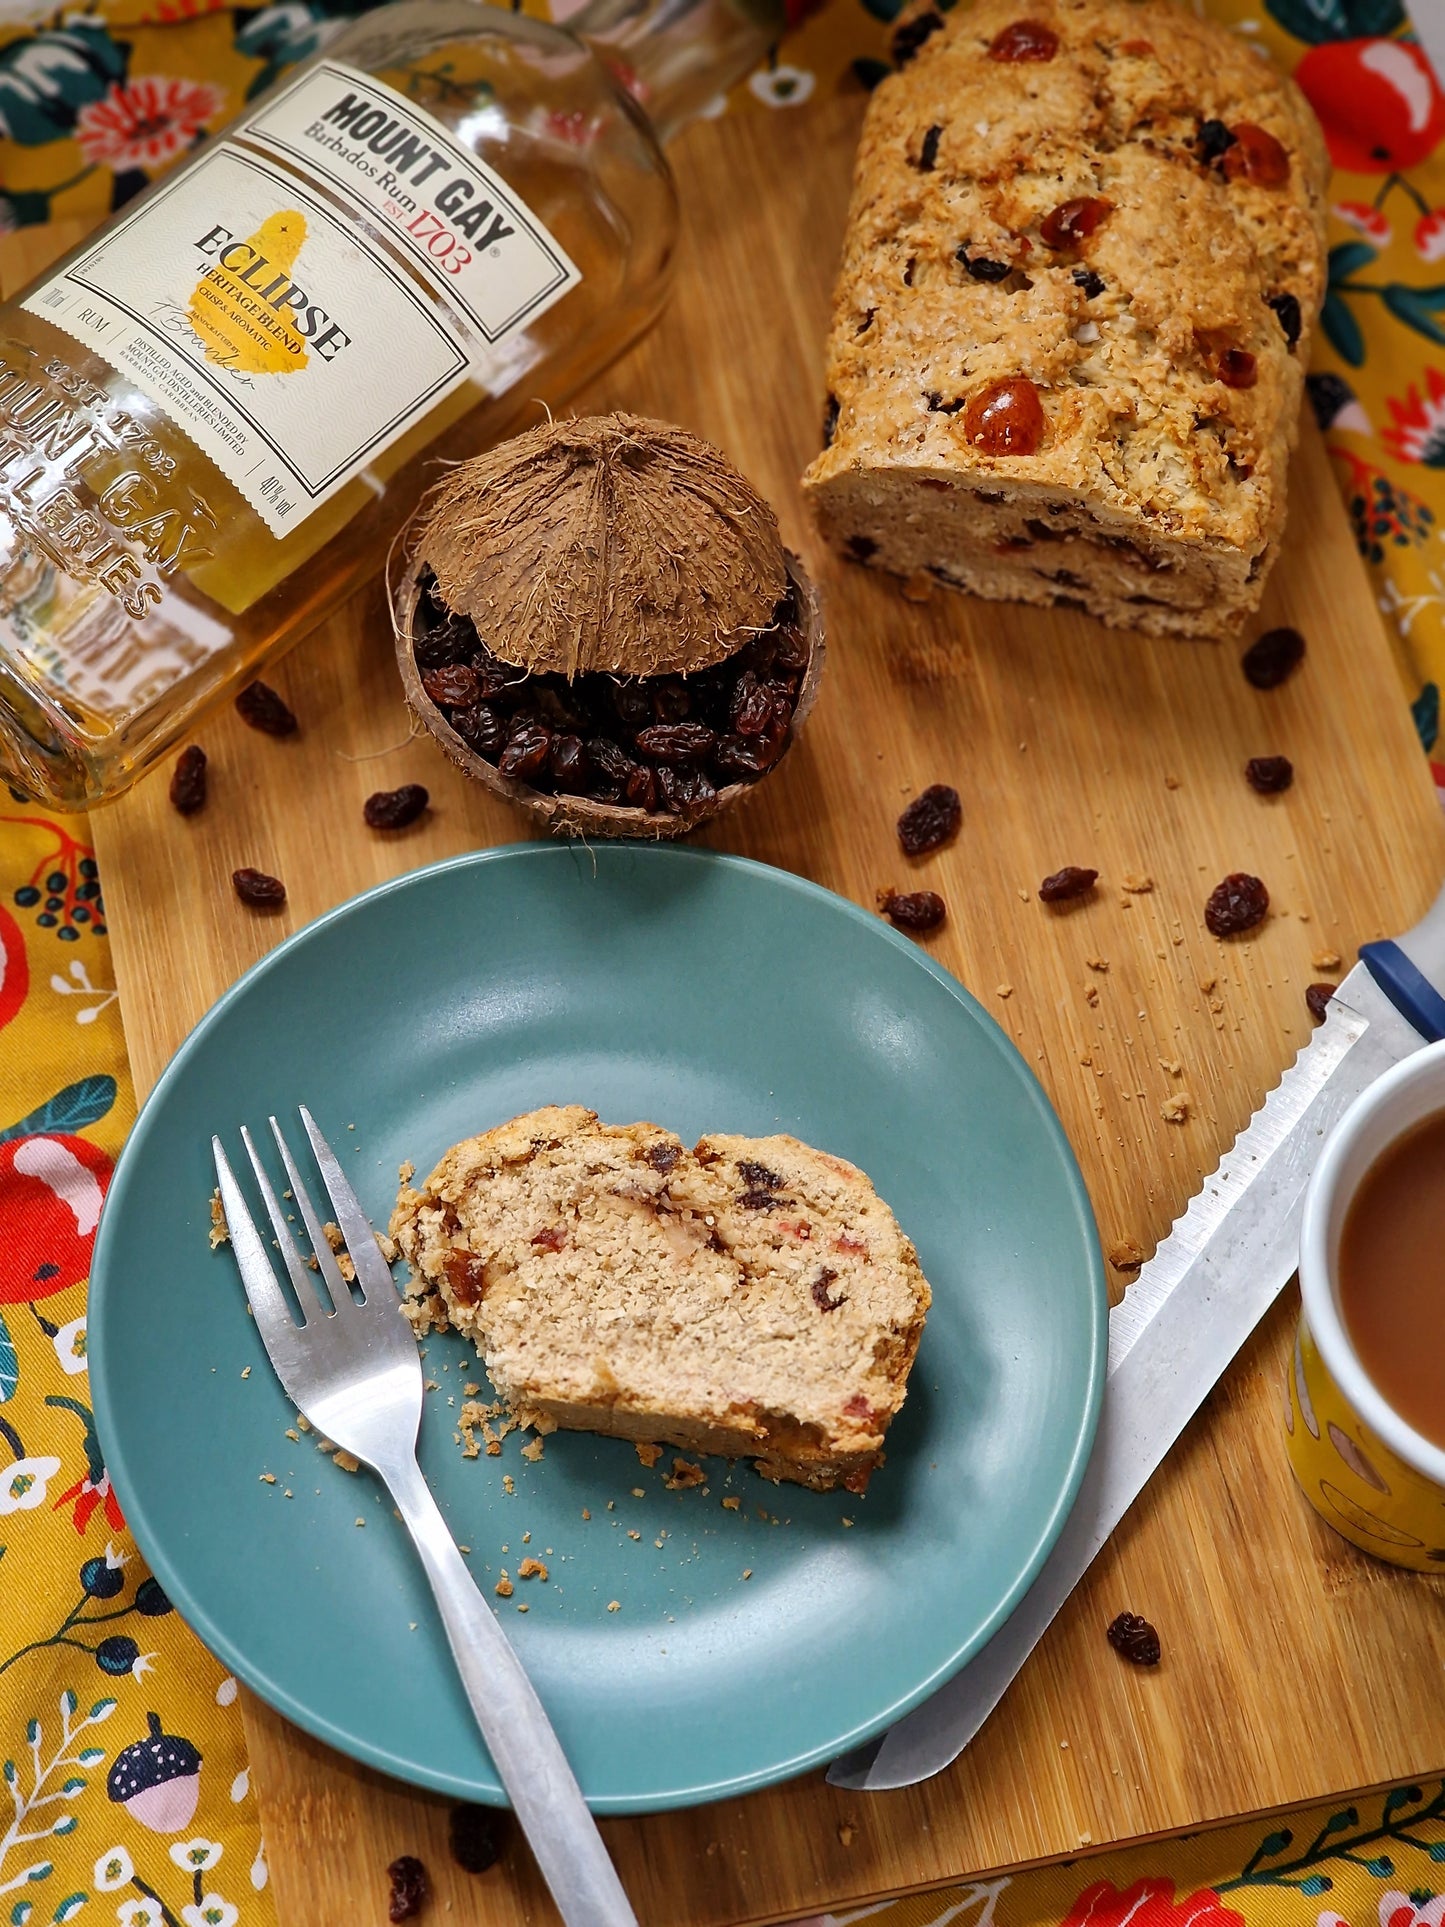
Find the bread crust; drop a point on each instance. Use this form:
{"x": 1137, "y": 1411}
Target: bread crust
{"x": 1157, "y": 498}
{"x": 750, "y": 1297}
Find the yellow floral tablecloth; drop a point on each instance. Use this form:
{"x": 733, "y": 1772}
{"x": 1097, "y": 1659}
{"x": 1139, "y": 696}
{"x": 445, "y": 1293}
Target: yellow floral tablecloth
{"x": 123, "y": 1756}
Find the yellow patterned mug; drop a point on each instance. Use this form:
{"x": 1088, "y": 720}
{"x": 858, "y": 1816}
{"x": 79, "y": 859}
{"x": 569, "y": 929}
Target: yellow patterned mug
{"x": 1368, "y": 1473}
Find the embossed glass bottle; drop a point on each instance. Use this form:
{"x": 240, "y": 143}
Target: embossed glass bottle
{"x": 217, "y": 411}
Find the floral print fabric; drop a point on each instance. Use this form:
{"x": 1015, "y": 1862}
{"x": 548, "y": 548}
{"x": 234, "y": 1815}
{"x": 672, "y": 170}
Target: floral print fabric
{"x": 120, "y": 1744}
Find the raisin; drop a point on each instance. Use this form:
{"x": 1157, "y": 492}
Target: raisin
{"x": 761, "y": 1201}
{"x": 984, "y": 269}
{"x": 494, "y": 677}
{"x": 260, "y": 706}
{"x": 1071, "y": 881}
{"x": 757, "y": 1176}
{"x": 676, "y": 742}
{"x": 820, "y": 1291}
{"x": 861, "y": 548}
{"x": 830, "y": 420}
{"x": 931, "y": 820}
{"x": 1135, "y": 1639}
{"x": 1287, "y": 311}
{"x": 528, "y": 746}
{"x": 467, "y": 1276}
{"x": 685, "y": 789}
{"x": 671, "y": 700}
{"x": 1091, "y": 283}
{"x": 632, "y": 704}
{"x": 188, "y": 780}
{"x": 928, "y": 155}
{"x": 1006, "y": 417}
{"x": 452, "y": 640}
{"x": 1214, "y": 139}
{"x": 1236, "y": 368}
{"x": 549, "y": 1238}
{"x": 482, "y": 727}
{"x": 608, "y": 761}
{"x": 1272, "y": 657}
{"x": 1269, "y": 774}
{"x": 394, "y": 809}
{"x": 662, "y": 1157}
{"x": 476, "y": 1836}
{"x": 747, "y": 755}
{"x": 1317, "y": 997}
{"x": 641, "y": 788}
{"x": 259, "y": 890}
{"x": 408, "y": 1888}
{"x": 751, "y": 707}
{"x": 567, "y": 761}
{"x": 938, "y": 406}
{"x": 911, "y": 36}
{"x": 454, "y": 687}
{"x": 1236, "y": 905}
{"x": 1074, "y": 221}
{"x": 915, "y": 911}
{"x": 1255, "y": 156}
{"x": 1024, "y": 40}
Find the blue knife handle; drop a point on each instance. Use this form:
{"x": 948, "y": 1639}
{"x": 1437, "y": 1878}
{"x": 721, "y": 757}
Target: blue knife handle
{"x": 1408, "y": 968}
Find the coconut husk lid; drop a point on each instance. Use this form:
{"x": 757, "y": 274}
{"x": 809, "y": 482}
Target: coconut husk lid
{"x": 612, "y": 543}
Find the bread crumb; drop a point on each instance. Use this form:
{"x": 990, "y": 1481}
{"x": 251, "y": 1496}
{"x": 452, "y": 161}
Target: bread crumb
{"x": 1172, "y": 1065}
{"x": 1206, "y": 984}
{"x": 1097, "y": 963}
{"x": 293, "y": 1434}
{"x": 633, "y": 1535}
{"x": 1024, "y": 896}
{"x": 509, "y": 1484}
{"x": 918, "y": 587}
{"x": 684, "y": 1474}
{"x": 245, "y": 1371}
{"x": 220, "y": 1233}
{"x": 1005, "y": 991}
{"x": 303, "y": 1424}
{"x": 1325, "y": 960}
{"x": 406, "y": 1171}
{"x": 1171, "y": 782}
{"x": 268, "y": 1478}
{"x": 533, "y": 1449}
{"x": 637, "y": 1493}
{"x": 649, "y": 1454}
{"x": 361, "y": 1522}
{"x": 1125, "y": 1255}
{"x": 1175, "y": 1109}
{"x": 470, "y": 1389}
{"x": 1091, "y": 996}
{"x": 526, "y": 1538}
{"x": 732, "y": 1505}
{"x": 614, "y": 1605}
{"x": 585, "y": 1513}
{"x": 847, "y": 1522}
{"x": 846, "y": 1833}
{"x": 532, "y": 1569}
{"x": 747, "y": 1572}
{"x": 1137, "y": 885}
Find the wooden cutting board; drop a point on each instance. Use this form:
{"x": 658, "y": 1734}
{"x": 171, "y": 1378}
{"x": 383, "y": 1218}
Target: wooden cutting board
{"x": 1294, "y": 1667}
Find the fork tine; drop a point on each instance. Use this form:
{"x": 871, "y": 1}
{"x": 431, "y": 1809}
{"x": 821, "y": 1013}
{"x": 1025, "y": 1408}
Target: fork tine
{"x": 371, "y": 1268}
{"x": 340, "y": 1292}
{"x": 302, "y": 1280}
{"x": 268, "y": 1301}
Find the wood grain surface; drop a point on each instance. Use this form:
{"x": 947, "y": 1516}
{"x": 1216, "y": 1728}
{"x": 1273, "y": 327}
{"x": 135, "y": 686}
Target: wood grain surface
{"x": 1294, "y": 1667}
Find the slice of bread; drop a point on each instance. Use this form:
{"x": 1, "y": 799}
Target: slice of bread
{"x": 750, "y": 1297}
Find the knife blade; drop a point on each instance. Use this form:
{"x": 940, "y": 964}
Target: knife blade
{"x": 1180, "y": 1323}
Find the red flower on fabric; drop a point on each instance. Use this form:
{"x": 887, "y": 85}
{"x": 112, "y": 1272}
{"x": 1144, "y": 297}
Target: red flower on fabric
{"x": 52, "y": 1186}
{"x": 1418, "y": 433}
{"x": 1149, "y": 1903}
{"x": 14, "y": 968}
{"x": 146, "y": 122}
{"x": 87, "y": 1496}
{"x": 1378, "y": 101}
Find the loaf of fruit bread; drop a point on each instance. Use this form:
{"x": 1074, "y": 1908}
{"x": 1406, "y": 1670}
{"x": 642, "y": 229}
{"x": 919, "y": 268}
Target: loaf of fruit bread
{"x": 751, "y": 1297}
{"x": 1083, "y": 261}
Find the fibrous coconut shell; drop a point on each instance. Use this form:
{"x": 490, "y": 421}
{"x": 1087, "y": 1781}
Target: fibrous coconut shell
{"x": 612, "y": 543}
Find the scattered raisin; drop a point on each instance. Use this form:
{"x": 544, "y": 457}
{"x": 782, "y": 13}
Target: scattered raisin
{"x": 528, "y": 747}
{"x": 1236, "y": 368}
{"x": 259, "y": 890}
{"x": 662, "y": 1157}
{"x": 1318, "y": 996}
{"x": 476, "y": 1836}
{"x": 1272, "y": 657}
{"x": 676, "y": 742}
{"x": 911, "y": 36}
{"x": 757, "y": 1176}
{"x": 1269, "y": 774}
{"x": 929, "y": 152}
{"x": 467, "y": 1276}
{"x": 1287, "y": 311}
{"x": 1255, "y": 156}
{"x": 1236, "y": 905}
{"x": 1092, "y": 284}
{"x": 931, "y": 820}
{"x": 1132, "y": 1636}
{"x": 830, "y": 420}
{"x": 394, "y": 809}
{"x": 1071, "y": 881}
{"x": 188, "y": 780}
{"x": 915, "y": 911}
{"x": 453, "y": 687}
{"x": 1074, "y": 221}
{"x": 1214, "y": 139}
{"x": 260, "y": 706}
{"x": 1006, "y": 417}
{"x": 1024, "y": 40}
{"x": 408, "y": 1888}
{"x": 982, "y": 268}
{"x": 820, "y": 1291}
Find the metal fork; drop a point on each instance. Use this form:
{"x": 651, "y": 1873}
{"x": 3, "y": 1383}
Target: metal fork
{"x": 353, "y": 1368}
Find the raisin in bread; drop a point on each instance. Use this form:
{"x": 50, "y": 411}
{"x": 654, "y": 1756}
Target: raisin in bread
{"x": 749, "y": 1297}
{"x": 1084, "y": 257}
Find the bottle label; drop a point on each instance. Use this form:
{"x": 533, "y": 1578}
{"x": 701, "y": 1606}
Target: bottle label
{"x": 274, "y": 326}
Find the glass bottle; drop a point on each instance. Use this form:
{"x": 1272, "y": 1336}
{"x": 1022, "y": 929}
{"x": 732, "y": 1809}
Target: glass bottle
{"x": 218, "y": 411}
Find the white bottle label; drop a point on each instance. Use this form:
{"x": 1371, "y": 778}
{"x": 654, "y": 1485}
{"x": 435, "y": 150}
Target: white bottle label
{"x": 274, "y": 327}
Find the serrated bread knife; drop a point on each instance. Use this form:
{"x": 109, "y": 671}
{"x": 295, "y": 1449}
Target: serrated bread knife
{"x": 1187, "y": 1314}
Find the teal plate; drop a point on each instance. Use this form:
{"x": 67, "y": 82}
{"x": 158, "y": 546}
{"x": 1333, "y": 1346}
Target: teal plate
{"x": 703, "y": 992}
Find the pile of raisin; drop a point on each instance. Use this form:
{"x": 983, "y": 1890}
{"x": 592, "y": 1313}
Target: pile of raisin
{"x": 665, "y": 744}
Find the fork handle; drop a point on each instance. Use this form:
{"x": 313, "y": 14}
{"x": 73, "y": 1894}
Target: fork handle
{"x": 526, "y": 1752}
